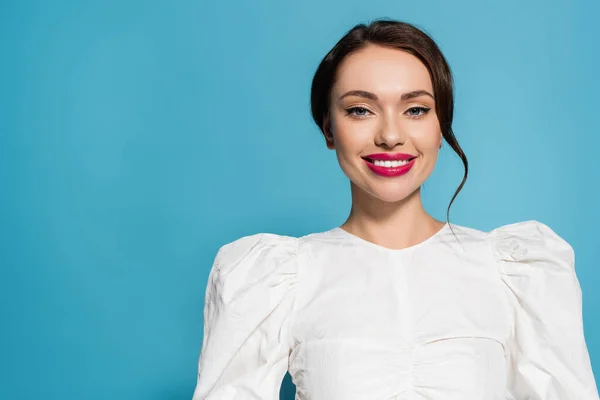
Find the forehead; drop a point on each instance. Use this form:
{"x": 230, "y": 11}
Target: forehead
{"x": 382, "y": 70}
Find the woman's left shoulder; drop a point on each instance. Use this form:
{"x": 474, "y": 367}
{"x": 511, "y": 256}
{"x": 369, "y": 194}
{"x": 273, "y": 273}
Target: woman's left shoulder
{"x": 531, "y": 242}
{"x": 545, "y": 342}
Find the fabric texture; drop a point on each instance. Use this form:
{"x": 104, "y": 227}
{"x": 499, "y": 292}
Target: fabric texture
{"x": 464, "y": 315}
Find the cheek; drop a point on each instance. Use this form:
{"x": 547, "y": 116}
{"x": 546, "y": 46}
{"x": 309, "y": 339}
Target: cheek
{"x": 427, "y": 140}
{"x": 350, "y": 136}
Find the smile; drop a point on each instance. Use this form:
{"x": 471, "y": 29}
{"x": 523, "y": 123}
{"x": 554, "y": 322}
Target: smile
{"x": 390, "y": 168}
{"x": 388, "y": 163}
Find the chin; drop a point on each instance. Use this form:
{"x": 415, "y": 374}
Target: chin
{"x": 391, "y": 194}
{"x": 389, "y": 190}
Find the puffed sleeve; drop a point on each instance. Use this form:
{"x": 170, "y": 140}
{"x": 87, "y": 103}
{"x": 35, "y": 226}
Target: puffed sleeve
{"x": 247, "y": 313}
{"x": 547, "y": 353}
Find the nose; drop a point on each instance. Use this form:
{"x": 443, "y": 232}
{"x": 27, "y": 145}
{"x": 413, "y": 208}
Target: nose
{"x": 390, "y": 134}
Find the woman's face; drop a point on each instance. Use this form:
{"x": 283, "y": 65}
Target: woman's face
{"x": 382, "y": 102}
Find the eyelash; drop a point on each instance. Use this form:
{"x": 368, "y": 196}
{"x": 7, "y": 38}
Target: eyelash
{"x": 349, "y": 112}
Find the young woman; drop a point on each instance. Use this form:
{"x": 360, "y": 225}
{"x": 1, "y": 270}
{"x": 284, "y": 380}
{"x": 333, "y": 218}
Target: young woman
{"x": 394, "y": 304}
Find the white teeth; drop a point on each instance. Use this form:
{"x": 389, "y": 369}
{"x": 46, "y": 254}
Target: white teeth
{"x": 390, "y": 164}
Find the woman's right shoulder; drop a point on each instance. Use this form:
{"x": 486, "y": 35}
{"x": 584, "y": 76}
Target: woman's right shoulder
{"x": 269, "y": 243}
{"x": 256, "y": 268}
{"x": 256, "y": 253}
{"x": 256, "y": 247}
{"x": 262, "y": 253}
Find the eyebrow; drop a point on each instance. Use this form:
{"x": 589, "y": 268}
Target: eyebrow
{"x": 373, "y": 96}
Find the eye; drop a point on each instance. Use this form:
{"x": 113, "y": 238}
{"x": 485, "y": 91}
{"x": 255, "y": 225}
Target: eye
{"x": 358, "y": 112}
{"x": 416, "y": 112}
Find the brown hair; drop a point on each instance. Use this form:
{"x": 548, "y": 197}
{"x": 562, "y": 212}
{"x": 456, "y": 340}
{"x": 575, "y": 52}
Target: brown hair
{"x": 405, "y": 37}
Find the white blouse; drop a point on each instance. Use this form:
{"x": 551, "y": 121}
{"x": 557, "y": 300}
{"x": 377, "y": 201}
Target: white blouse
{"x": 464, "y": 315}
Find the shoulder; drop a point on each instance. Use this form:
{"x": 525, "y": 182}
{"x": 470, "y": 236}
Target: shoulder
{"x": 267, "y": 245}
{"x": 525, "y": 242}
{"x": 515, "y": 241}
{"x": 537, "y": 267}
{"x": 529, "y": 241}
{"x": 258, "y": 268}
{"x": 537, "y": 264}
{"x": 256, "y": 252}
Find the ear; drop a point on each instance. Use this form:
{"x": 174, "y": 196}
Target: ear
{"x": 328, "y": 133}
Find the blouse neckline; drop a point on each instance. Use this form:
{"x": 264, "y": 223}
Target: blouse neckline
{"x": 376, "y": 246}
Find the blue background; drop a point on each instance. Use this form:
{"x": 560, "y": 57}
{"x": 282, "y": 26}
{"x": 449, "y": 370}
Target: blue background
{"x": 137, "y": 137}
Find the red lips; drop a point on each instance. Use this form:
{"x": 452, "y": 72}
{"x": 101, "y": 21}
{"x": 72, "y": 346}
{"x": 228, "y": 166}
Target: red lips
{"x": 390, "y": 171}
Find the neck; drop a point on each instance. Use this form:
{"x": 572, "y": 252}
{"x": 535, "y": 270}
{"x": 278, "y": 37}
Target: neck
{"x": 393, "y": 225}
